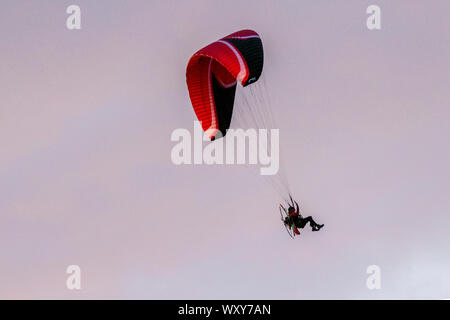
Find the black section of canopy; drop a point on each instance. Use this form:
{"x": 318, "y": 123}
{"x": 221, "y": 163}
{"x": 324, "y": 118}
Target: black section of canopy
{"x": 252, "y": 51}
{"x": 224, "y": 101}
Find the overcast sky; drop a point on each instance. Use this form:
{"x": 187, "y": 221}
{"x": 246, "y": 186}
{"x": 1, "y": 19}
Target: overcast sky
{"x": 86, "y": 176}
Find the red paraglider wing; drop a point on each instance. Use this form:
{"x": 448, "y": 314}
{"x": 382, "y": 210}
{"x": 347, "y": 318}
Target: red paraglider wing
{"x": 212, "y": 74}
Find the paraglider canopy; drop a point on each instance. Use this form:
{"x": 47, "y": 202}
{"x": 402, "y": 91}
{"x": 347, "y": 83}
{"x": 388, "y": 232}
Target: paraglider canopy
{"x": 213, "y": 73}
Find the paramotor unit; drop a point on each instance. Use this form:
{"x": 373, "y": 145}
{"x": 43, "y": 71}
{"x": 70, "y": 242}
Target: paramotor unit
{"x": 284, "y": 217}
{"x": 293, "y": 220}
